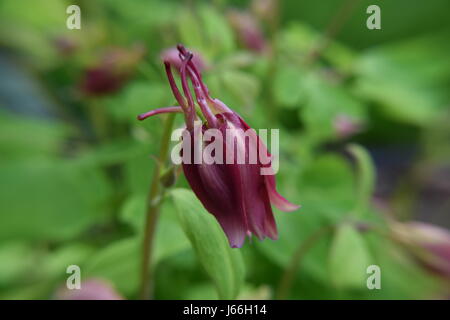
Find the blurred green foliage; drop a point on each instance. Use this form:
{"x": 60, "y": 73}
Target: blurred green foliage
{"x": 75, "y": 175}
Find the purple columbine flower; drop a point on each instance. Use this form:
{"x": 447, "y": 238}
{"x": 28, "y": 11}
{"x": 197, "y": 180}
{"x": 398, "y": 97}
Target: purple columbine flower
{"x": 428, "y": 244}
{"x": 235, "y": 193}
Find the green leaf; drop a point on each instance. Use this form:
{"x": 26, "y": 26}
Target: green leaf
{"x": 242, "y": 87}
{"x": 34, "y": 24}
{"x": 30, "y": 271}
{"x": 401, "y": 101}
{"x": 294, "y": 228}
{"x": 329, "y": 175}
{"x": 325, "y": 190}
{"x": 349, "y": 259}
{"x": 297, "y": 41}
{"x": 113, "y": 153}
{"x": 202, "y": 291}
{"x": 190, "y": 30}
{"x": 408, "y": 79}
{"x": 139, "y": 16}
{"x": 138, "y": 170}
{"x": 133, "y": 211}
{"x": 205, "y": 30}
{"x": 217, "y": 31}
{"x": 16, "y": 259}
{"x": 15, "y": 133}
{"x": 288, "y": 86}
{"x": 56, "y": 263}
{"x": 170, "y": 236}
{"x": 120, "y": 261}
{"x": 325, "y": 102}
{"x": 223, "y": 264}
{"x": 53, "y": 200}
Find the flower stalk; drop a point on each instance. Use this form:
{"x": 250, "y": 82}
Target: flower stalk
{"x": 153, "y": 204}
{"x": 288, "y": 277}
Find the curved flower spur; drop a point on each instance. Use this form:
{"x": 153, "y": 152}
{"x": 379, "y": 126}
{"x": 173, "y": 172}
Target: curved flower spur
{"x": 235, "y": 192}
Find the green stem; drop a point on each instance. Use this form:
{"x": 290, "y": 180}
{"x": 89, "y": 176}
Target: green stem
{"x": 153, "y": 205}
{"x": 99, "y": 119}
{"x": 274, "y": 25}
{"x": 365, "y": 178}
{"x": 333, "y": 28}
{"x": 288, "y": 277}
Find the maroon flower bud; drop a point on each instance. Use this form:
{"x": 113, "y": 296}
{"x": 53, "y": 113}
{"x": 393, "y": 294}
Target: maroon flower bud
{"x": 248, "y": 30}
{"x": 92, "y": 289}
{"x": 235, "y": 192}
{"x": 101, "y": 81}
{"x": 111, "y": 72}
{"x": 428, "y": 244}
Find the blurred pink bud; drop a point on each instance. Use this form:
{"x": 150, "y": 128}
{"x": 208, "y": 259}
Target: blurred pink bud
{"x": 247, "y": 30}
{"x": 100, "y": 81}
{"x": 65, "y": 45}
{"x": 172, "y": 56}
{"x": 112, "y": 71}
{"x": 92, "y": 289}
{"x": 346, "y": 126}
{"x": 429, "y": 244}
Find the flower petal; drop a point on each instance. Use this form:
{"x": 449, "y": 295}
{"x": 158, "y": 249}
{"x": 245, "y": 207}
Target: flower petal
{"x": 210, "y": 185}
{"x": 254, "y": 198}
{"x": 218, "y": 189}
{"x": 277, "y": 199}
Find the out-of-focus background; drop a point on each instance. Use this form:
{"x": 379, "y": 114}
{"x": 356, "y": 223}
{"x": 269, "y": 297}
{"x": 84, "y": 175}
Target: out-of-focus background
{"x": 365, "y": 143}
